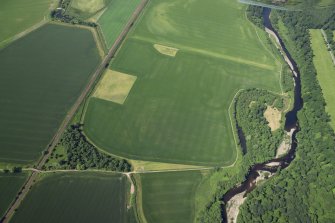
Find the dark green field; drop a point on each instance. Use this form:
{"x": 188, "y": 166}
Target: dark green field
{"x": 169, "y": 197}
{"x": 42, "y": 74}
{"x": 9, "y": 187}
{"x": 177, "y": 109}
{"x": 75, "y": 197}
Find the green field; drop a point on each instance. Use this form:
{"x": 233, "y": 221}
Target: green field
{"x": 170, "y": 196}
{"x": 177, "y": 110}
{"x": 42, "y": 75}
{"x": 325, "y": 71}
{"x": 115, "y": 18}
{"x": 19, "y": 15}
{"x": 76, "y": 197}
{"x": 85, "y": 9}
{"x": 10, "y": 184}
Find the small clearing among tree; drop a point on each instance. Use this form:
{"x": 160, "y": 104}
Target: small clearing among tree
{"x": 273, "y": 116}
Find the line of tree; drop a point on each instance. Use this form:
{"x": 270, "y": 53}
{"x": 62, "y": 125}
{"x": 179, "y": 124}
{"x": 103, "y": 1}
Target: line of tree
{"x": 330, "y": 38}
{"x": 261, "y": 144}
{"x": 304, "y": 192}
{"x": 13, "y": 170}
{"x": 82, "y": 155}
{"x": 254, "y": 14}
{"x": 60, "y": 14}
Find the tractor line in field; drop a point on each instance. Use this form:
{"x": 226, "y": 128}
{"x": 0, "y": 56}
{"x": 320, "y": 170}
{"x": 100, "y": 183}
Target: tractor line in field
{"x": 104, "y": 64}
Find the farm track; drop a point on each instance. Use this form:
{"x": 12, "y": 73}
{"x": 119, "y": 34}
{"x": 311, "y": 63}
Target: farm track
{"x": 36, "y": 171}
{"x": 33, "y": 177}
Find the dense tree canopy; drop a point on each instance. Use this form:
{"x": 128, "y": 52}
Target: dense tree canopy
{"x": 60, "y": 14}
{"x": 260, "y": 142}
{"x": 304, "y": 192}
{"x": 80, "y": 154}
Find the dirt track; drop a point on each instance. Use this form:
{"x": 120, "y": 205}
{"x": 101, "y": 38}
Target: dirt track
{"x": 33, "y": 177}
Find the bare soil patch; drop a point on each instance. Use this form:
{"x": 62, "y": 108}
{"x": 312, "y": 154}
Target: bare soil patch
{"x": 273, "y": 116}
{"x": 115, "y": 86}
{"x": 283, "y": 149}
{"x": 233, "y": 207}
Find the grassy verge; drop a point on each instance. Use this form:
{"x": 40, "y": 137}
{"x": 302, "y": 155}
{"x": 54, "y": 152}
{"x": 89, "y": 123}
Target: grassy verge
{"x": 325, "y": 71}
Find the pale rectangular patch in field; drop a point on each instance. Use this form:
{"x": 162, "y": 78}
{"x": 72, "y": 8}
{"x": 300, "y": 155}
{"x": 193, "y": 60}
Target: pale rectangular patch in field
{"x": 166, "y": 50}
{"x": 115, "y": 86}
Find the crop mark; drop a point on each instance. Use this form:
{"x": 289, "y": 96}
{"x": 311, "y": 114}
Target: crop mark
{"x": 115, "y": 86}
{"x": 213, "y": 54}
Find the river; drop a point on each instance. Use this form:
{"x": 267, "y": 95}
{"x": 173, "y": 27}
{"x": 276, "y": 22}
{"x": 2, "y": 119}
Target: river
{"x": 291, "y": 125}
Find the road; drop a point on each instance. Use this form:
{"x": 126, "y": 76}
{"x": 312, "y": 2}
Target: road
{"x": 104, "y": 64}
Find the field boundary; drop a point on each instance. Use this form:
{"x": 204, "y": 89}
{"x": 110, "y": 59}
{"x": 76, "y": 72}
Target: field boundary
{"x": 97, "y": 40}
{"x": 24, "y": 33}
{"x": 45, "y": 20}
{"x": 54, "y": 141}
{"x": 233, "y": 129}
{"x": 268, "y": 50}
{"x": 84, "y": 98}
{"x": 328, "y": 46}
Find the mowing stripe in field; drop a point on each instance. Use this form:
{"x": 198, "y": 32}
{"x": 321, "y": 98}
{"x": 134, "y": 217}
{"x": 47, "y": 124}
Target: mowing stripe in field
{"x": 42, "y": 75}
{"x": 10, "y": 184}
{"x": 169, "y": 197}
{"x": 177, "y": 111}
{"x": 75, "y": 197}
{"x": 325, "y": 71}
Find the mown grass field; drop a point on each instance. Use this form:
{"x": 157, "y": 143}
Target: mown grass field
{"x": 169, "y": 196}
{"x": 42, "y": 74}
{"x": 19, "y": 15}
{"x": 325, "y": 71}
{"x": 177, "y": 111}
{"x": 115, "y": 18}
{"x": 76, "y": 197}
{"x": 10, "y": 184}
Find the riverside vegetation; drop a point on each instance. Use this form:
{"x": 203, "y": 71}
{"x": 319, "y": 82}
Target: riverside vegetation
{"x": 305, "y": 192}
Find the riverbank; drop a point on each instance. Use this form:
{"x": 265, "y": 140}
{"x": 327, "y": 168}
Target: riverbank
{"x": 236, "y": 196}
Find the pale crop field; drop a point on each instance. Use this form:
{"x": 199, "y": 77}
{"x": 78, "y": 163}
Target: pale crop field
{"x": 90, "y": 6}
{"x": 115, "y": 86}
{"x": 325, "y": 71}
{"x": 87, "y": 9}
{"x": 177, "y": 110}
